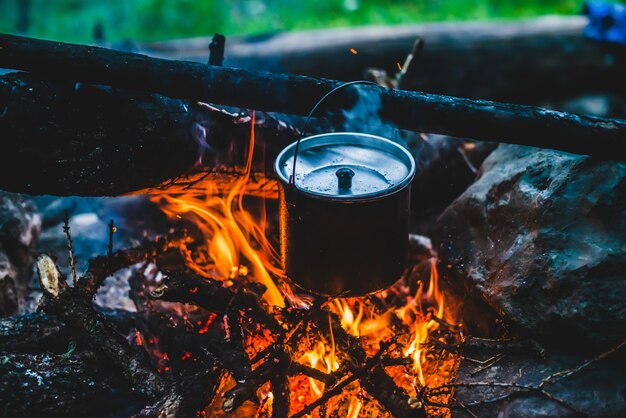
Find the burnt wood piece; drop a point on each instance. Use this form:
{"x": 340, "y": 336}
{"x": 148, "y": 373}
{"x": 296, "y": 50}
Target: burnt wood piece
{"x": 478, "y": 119}
{"x": 61, "y": 385}
{"x": 74, "y": 307}
{"x": 190, "y": 394}
{"x": 37, "y": 332}
{"x": 527, "y": 61}
{"x": 32, "y": 333}
{"x": 178, "y": 337}
{"x": 211, "y": 295}
{"x": 216, "y": 48}
{"x": 80, "y": 139}
{"x": 68, "y": 138}
{"x": 370, "y": 371}
{"x": 101, "y": 267}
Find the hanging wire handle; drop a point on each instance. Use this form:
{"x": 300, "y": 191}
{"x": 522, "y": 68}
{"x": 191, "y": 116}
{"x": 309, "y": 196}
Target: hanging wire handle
{"x": 292, "y": 177}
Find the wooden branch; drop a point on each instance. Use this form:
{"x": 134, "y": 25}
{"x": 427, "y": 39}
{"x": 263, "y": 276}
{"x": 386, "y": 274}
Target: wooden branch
{"x": 211, "y": 295}
{"x": 216, "y": 48}
{"x": 77, "y": 312}
{"x": 183, "y": 397}
{"x": 479, "y": 119}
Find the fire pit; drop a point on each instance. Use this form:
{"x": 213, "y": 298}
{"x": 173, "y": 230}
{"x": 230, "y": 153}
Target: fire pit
{"x": 174, "y": 301}
{"x": 260, "y": 346}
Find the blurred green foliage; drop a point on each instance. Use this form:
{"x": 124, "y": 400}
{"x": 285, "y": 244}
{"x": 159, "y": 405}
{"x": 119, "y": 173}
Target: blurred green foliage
{"x": 74, "y": 20}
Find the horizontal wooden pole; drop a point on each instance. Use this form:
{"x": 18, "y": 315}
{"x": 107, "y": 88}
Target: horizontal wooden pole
{"x": 478, "y": 119}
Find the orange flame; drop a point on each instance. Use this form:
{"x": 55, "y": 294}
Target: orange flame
{"x": 229, "y": 231}
{"x": 237, "y": 247}
{"x": 422, "y": 326}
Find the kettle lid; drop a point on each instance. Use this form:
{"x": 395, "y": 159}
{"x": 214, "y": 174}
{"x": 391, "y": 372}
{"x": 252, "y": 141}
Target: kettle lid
{"x": 347, "y": 166}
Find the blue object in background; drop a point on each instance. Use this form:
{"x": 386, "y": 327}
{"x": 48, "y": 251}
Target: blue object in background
{"x": 607, "y": 21}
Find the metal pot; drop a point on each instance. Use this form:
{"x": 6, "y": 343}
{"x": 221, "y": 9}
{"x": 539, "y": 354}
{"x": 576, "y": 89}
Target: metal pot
{"x": 344, "y": 216}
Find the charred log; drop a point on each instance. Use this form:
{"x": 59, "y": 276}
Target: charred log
{"x": 75, "y": 309}
{"x": 182, "y": 397}
{"x": 31, "y": 333}
{"x": 74, "y": 137}
{"x": 479, "y": 119}
{"x": 211, "y": 295}
{"x": 60, "y": 385}
{"x": 68, "y": 138}
{"x": 213, "y": 338}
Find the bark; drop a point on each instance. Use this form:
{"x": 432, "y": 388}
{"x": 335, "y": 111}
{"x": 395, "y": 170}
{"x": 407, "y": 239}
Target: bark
{"x": 32, "y": 333}
{"x": 59, "y": 385}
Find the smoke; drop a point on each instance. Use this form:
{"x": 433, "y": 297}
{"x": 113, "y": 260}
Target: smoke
{"x": 364, "y": 117}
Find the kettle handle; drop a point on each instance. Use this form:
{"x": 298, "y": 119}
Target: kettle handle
{"x": 292, "y": 177}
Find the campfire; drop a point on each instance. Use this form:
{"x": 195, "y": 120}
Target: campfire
{"x": 215, "y": 282}
{"x": 194, "y": 308}
{"x": 339, "y": 355}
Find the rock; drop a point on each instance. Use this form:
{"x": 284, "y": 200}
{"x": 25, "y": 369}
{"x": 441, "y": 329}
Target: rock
{"x": 596, "y": 391}
{"x": 20, "y": 226}
{"x": 134, "y": 217}
{"x": 445, "y": 168}
{"x": 542, "y": 236}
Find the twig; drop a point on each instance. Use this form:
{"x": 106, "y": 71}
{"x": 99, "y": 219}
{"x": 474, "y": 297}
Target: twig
{"x": 78, "y": 313}
{"x": 361, "y": 372}
{"x": 112, "y": 230}
{"x": 466, "y": 409}
{"x": 70, "y": 245}
{"x": 506, "y": 344}
{"x": 279, "y": 383}
{"x": 396, "y": 361}
{"x": 522, "y": 389}
{"x": 297, "y": 368}
{"x": 326, "y": 396}
{"x": 216, "y": 49}
{"x": 518, "y": 389}
{"x": 488, "y": 363}
{"x": 408, "y": 66}
{"x": 102, "y": 267}
{"x": 467, "y": 161}
{"x": 564, "y": 374}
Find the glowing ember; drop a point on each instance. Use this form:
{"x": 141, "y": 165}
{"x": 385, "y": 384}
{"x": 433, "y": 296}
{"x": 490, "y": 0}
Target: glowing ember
{"x": 355, "y": 407}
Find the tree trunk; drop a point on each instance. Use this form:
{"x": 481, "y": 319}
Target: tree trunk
{"x": 527, "y": 61}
